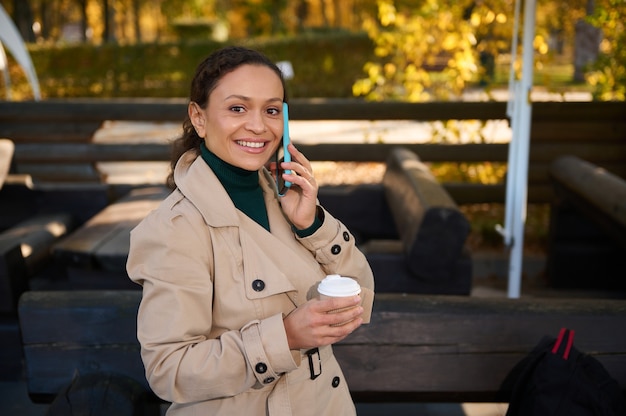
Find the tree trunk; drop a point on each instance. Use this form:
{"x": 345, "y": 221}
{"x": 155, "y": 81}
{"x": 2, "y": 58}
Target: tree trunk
{"x": 136, "y": 15}
{"x": 83, "y": 20}
{"x": 23, "y": 18}
{"x": 586, "y": 45}
{"x": 105, "y": 15}
{"x": 302, "y": 13}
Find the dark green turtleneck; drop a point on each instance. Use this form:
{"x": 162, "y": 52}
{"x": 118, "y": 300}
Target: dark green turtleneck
{"x": 241, "y": 185}
{"x": 243, "y": 188}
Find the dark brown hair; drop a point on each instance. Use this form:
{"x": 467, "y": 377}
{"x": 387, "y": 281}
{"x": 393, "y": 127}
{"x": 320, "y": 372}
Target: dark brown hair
{"x": 207, "y": 75}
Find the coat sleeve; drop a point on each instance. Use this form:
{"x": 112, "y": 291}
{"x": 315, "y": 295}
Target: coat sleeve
{"x": 185, "y": 358}
{"x": 334, "y": 248}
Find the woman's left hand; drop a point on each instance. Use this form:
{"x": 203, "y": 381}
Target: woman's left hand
{"x": 300, "y": 202}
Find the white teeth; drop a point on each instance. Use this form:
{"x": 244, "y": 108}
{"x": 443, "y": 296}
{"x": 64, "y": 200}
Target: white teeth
{"x": 255, "y": 145}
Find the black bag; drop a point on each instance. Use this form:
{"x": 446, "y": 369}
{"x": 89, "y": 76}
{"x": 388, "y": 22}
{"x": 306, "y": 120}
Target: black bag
{"x": 556, "y": 379}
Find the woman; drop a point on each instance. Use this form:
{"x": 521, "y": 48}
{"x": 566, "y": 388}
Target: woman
{"x": 228, "y": 324}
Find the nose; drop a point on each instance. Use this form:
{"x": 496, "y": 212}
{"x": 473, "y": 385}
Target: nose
{"x": 256, "y": 122}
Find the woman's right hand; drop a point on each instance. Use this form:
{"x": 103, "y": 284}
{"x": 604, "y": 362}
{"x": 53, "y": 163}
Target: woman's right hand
{"x": 310, "y": 325}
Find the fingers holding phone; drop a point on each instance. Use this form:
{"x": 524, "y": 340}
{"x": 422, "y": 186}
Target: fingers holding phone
{"x": 286, "y": 172}
{"x": 300, "y": 167}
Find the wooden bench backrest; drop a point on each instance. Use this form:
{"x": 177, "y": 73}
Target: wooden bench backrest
{"x": 431, "y": 226}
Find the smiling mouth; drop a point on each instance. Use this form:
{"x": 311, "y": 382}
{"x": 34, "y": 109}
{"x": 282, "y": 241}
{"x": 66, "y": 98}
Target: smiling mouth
{"x": 254, "y": 145}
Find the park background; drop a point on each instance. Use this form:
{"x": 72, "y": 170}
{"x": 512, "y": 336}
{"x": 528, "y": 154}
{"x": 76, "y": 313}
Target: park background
{"x": 416, "y": 51}
{"x": 409, "y": 50}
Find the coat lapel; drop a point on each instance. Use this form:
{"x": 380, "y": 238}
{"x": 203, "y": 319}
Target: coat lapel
{"x": 276, "y": 258}
{"x": 278, "y": 253}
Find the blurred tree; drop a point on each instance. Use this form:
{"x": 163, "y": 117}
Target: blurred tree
{"x": 608, "y": 74}
{"x": 261, "y": 17}
{"x": 411, "y": 44}
{"x": 435, "y": 48}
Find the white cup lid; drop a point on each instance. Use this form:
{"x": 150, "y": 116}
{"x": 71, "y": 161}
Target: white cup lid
{"x": 335, "y": 285}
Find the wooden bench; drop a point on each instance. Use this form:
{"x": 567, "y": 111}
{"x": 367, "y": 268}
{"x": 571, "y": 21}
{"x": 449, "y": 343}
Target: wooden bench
{"x": 587, "y": 239}
{"x": 417, "y": 348}
{"x": 25, "y": 249}
{"x": 431, "y": 256}
{"x": 421, "y": 250}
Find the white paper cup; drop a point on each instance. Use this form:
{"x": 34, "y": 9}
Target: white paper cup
{"x": 336, "y": 286}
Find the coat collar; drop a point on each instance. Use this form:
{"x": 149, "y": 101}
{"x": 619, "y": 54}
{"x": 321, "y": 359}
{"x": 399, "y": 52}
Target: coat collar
{"x": 197, "y": 182}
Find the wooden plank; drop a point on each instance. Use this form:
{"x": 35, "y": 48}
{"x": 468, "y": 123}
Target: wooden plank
{"x": 357, "y": 152}
{"x": 599, "y": 188}
{"x": 68, "y": 153}
{"x": 614, "y": 153}
{"x": 38, "y": 130}
{"x": 95, "y": 110}
{"x": 161, "y": 109}
{"x": 416, "y": 348}
{"x": 89, "y": 317}
{"x": 607, "y": 152}
{"x": 578, "y": 110}
{"x": 61, "y": 172}
{"x": 357, "y": 109}
{"x": 596, "y": 131}
{"x": 300, "y": 109}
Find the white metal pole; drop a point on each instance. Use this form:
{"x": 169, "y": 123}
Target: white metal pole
{"x": 521, "y": 142}
{"x": 513, "y": 117}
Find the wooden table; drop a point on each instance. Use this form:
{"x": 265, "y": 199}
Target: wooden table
{"x": 102, "y": 243}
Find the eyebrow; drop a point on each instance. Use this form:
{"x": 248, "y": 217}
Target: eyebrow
{"x": 245, "y": 98}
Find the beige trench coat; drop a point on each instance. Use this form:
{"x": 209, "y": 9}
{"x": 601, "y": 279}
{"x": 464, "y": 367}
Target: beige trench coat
{"x": 216, "y": 286}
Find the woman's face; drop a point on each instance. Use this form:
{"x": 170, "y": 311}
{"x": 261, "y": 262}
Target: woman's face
{"x": 243, "y": 121}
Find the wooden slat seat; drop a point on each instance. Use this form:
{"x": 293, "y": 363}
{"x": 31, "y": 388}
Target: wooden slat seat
{"x": 103, "y": 241}
{"x": 416, "y": 348}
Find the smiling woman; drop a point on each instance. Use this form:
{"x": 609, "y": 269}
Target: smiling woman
{"x": 242, "y": 123}
{"x": 229, "y": 320}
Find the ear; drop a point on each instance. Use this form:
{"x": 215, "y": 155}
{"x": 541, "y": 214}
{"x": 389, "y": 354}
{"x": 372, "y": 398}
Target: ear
{"x": 197, "y": 117}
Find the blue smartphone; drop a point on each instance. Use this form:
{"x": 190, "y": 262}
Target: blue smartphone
{"x": 281, "y": 184}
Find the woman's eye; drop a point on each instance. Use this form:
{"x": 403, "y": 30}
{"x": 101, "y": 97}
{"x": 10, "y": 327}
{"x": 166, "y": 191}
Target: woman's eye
{"x": 273, "y": 111}
{"x": 237, "y": 109}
